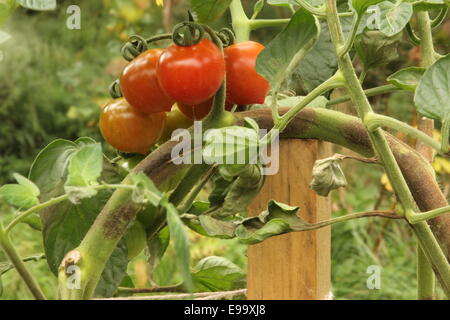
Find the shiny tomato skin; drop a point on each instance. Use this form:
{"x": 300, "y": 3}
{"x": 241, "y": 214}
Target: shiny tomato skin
{"x": 129, "y": 130}
{"x": 139, "y": 84}
{"x": 191, "y": 75}
{"x": 244, "y": 84}
{"x": 200, "y": 111}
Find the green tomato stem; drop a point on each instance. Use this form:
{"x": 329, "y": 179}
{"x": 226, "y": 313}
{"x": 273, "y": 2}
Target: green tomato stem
{"x": 445, "y": 131}
{"x": 240, "y": 21}
{"x": 374, "y": 121}
{"x": 351, "y": 38}
{"x": 440, "y": 18}
{"x": 335, "y": 81}
{"x": 10, "y": 250}
{"x": 191, "y": 178}
{"x": 417, "y": 217}
{"x": 34, "y": 209}
{"x": 384, "y": 153}
{"x": 425, "y": 277}
{"x": 263, "y": 23}
{"x": 369, "y": 93}
{"x": 412, "y": 36}
{"x": 54, "y": 201}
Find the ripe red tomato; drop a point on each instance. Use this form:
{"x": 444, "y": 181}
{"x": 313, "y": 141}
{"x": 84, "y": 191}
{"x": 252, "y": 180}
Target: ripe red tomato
{"x": 191, "y": 75}
{"x": 244, "y": 84}
{"x": 140, "y": 86}
{"x": 129, "y": 130}
{"x": 200, "y": 110}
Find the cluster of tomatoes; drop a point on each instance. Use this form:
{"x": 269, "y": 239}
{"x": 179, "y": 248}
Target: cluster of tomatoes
{"x": 165, "y": 89}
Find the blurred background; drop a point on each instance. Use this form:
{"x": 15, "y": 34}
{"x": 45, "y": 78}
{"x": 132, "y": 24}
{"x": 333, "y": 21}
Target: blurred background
{"x": 53, "y": 82}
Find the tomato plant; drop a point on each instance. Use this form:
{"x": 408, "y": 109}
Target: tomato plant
{"x": 97, "y": 212}
{"x": 129, "y": 130}
{"x": 139, "y": 84}
{"x": 191, "y": 74}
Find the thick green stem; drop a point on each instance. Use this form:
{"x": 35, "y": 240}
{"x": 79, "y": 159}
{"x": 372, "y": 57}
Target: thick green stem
{"x": 426, "y": 38}
{"x": 191, "y": 179}
{"x": 425, "y": 274}
{"x": 380, "y": 144}
{"x": 240, "y": 21}
{"x": 374, "y": 121}
{"x": 7, "y": 246}
{"x": 425, "y": 277}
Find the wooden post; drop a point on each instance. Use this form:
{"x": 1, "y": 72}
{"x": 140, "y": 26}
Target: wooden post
{"x": 295, "y": 266}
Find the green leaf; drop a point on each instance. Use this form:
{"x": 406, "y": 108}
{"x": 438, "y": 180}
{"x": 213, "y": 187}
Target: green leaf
{"x": 65, "y": 224}
{"x": 23, "y": 195}
{"x": 220, "y": 190}
{"x": 18, "y": 196}
{"x": 320, "y": 63}
{"x": 432, "y": 97}
{"x": 394, "y": 17}
{"x": 217, "y": 228}
{"x": 231, "y": 145}
{"x": 49, "y": 169}
{"x": 259, "y": 5}
{"x": 33, "y": 189}
{"x": 278, "y": 219}
{"x": 157, "y": 246}
{"x": 199, "y": 207}
{"x": 407, "y": 78}
{"x": 207, "y": 11}
{"x": 114, "y": 272}
{"x": 288, "y": 48}
{"x": 40, "y": 5}
{"x": 85, "y": 167}
{"x": 423, "y": 5}
{"x": 217, "y": 274}
{"x": 179, "y": 236}
{"x": 145, "y": 191}
{"x": 241, "y": 193}
{"x": 376, "y": 49}
{"x": 361, "y": 6}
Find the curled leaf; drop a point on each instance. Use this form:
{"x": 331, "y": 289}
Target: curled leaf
{"x": 327, "y": 176}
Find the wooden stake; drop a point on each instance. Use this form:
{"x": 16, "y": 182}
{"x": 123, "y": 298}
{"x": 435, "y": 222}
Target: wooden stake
{"x": 295, "y": 266}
